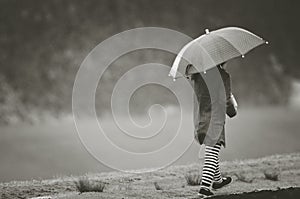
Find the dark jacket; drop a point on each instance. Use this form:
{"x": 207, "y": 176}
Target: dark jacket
{"x": 209, "y": 123}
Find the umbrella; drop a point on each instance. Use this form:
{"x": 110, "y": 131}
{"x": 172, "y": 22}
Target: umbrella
{"x": 214, "y": 48}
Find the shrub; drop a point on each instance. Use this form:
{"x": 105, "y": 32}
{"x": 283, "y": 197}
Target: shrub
{"x": 87, "y": 185}
{"x": 272, "y": 174}
{"x": 193, "y": 179}
{"x": 157, "y": 187}
{"x": 243, "y": 177}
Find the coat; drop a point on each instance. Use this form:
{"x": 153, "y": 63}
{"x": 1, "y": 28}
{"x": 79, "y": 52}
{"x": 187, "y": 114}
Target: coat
{"x": 210, "y": 124}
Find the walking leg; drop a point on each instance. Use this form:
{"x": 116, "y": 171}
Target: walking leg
{"x": 211, "y": 161}
{"x": 217, "y": 175}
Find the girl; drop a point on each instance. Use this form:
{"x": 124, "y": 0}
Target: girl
{"x": 209, "y": 124}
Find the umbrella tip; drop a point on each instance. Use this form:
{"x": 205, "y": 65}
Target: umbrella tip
{"x": 206, "y": 31}
{"x": 266, "y": 42}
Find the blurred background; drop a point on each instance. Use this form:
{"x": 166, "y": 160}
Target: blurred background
{"x": 42, "y": 44}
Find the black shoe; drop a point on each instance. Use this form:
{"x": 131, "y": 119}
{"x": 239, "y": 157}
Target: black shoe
{"x": 219, "y": 185}
{"x": 205, "y": 192}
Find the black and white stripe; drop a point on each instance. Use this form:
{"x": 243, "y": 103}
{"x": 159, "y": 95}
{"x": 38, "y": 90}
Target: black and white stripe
{"x": 211, "y": 170}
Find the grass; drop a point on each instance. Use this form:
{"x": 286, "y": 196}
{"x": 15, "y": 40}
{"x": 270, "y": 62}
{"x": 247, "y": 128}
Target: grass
{"x": 272, "y": 174}
{"x": 157, "y": 186}
{"x": 172, "y": 180}
{"x": 193, "y": 179}
{"x": 244, "y": 177}
{"x": 85, "y": 184}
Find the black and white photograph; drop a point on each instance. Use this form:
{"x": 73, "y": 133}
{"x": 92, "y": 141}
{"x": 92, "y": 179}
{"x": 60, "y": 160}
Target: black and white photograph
{"x": 158, "y": 99}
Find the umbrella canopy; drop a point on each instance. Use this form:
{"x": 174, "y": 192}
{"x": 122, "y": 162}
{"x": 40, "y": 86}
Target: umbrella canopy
{"x": 214, "y": 48}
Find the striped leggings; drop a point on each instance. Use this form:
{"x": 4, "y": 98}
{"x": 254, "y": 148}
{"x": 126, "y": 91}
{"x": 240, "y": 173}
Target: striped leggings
{"x": 211, "y": 169}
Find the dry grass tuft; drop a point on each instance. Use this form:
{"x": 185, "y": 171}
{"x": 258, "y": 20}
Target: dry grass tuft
{"x": 157, "y": 187}
{"x": 87, "y": 185}
{"x": 272, "y": 174}
{"x": 193, "y": 179}
{"x": 243, "y": 177}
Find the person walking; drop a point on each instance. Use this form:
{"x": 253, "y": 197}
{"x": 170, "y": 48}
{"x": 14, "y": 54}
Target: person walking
{"x": 209, "y": 54}
{"x": 210, "y": 124}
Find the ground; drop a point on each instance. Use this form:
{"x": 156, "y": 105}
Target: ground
{"x": 248, "y": 176}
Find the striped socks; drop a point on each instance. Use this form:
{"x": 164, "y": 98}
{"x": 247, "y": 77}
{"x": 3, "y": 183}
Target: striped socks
{"x": 211, "y": 170}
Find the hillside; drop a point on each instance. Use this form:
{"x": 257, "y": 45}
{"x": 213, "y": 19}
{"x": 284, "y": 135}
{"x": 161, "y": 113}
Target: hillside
{"x": 248, "y": 176}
